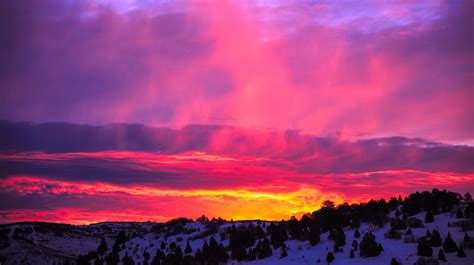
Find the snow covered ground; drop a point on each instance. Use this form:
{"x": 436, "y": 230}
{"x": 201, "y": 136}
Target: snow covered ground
{"x": 44, "y": 243}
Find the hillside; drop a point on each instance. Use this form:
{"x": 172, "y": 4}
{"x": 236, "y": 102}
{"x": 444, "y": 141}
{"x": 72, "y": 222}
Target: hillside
{"x": 305, "y": 241}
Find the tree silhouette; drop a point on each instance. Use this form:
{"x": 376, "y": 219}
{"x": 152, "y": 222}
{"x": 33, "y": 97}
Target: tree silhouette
{"x": 188, "y": 248}
{"x": 368, "y": 247}
{"x": 330, "y": 257}
{"x": 424, "y": 249}
{"x": 461, "y": 253}
{"x": 429, "y": 217}
{"x": 449, "y": 245}
{"x": 102, "y": 246}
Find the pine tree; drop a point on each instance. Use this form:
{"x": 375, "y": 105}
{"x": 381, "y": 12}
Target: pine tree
{"x": 355, "y": 245}
{"x": 314, "y": 235}
{"x": 163, "y": 245}
{"x": 283, "y": 252}
{"x": 449, "y": 245}
{"x": 409, "y": 232}
{"x": 155, "y": 261}
{"x": 127, "y": 260}
{"x": 394, "y": 262}
{"x": 368, "y": 247}
{"x": 188, "y": 248}
{"x": 424, "y": 249}
{"x": 459, "y": 213}
{"x": 356, "y": 233}
{"x": 435, "y": 239}
{"x": 146, "y": 255}
{"x": 461, "y": 253}
{"x": 351, "y": 256}
{"x": 330, "y": 257}
{"x": 429, "y": 217}
{"x": 98, "y": 261}
{"x": 467, "y": 238}
{"x": 102, "y": 246}
{"x": 441, "y": 255}
{"x": 380, "y": 247}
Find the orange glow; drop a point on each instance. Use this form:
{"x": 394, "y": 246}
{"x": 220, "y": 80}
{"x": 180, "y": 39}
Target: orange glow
{"x": 165, "y": 186}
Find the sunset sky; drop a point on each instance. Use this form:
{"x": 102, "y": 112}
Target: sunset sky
{"x": 149, "y": 110}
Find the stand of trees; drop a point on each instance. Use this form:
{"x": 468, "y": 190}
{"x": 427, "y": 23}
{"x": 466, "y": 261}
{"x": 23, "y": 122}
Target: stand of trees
{"x": 256, "y": 241}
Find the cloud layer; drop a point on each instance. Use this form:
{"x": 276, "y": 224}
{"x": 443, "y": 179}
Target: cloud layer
{"x": 79, "y": 173}
{"x": 372, "y": 69}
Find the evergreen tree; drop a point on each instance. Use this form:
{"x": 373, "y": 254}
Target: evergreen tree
{"x": 146, "y": 255}
{"x": 394, "y": 262}
{"x": 127, "y": 260}
{"x": 330, "y": 257}
{"x": 188, "y": 248}
{"x": 461, "y": 253}
{"x": 356, "y": 233}
{"x": 163, "y": 245}
{"x": 459, "y": 213}
{"x": 98, "y": 261}
{"x": 266, "y": 250}
{"x": 283, "y": 252}
{"x": 238, "y": 253}
{"x": 429, "y": 217}
{"x": 424, "y": 249}
{"x": 380, "y": 247}
{"x": 113, "y": 257}
{"x": 351, "y": 256}
{"x": 160, "y": 254}
{"x": 441, "y": 255}
{"x": 355, "y": 245}
{"x": 449, "y": 245}
{"x": 368, "y": 247}
{"x": 198, "y": 255}
{"x": 435, "y": 239}
{"x": 314, "y": 235}
{"x": 102, "y": 246}
{"x": 467, "y": 238}
{"x": 409, "y": 232}
{"x": 155, "y": 261}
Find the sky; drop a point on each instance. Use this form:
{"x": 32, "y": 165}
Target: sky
{"x": 150, "y": 110}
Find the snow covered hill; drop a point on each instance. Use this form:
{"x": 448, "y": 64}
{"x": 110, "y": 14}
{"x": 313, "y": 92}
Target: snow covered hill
{"x": 47, "y": 243}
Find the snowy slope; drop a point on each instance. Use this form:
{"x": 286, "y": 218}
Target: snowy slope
{"x": 43, "y": 243}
